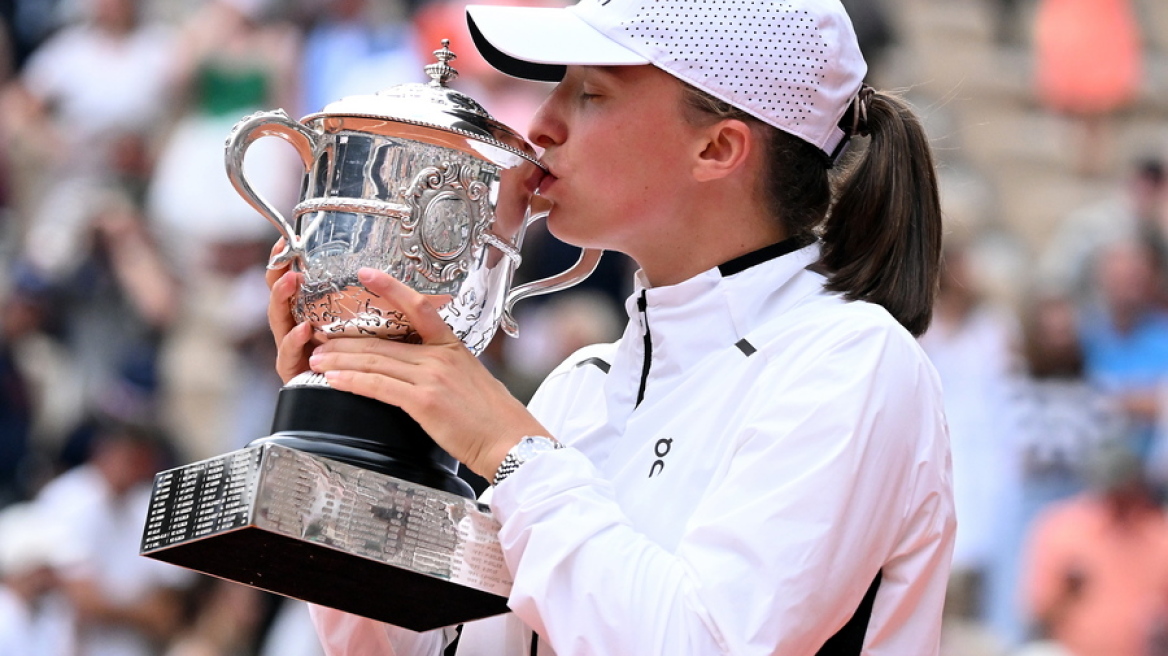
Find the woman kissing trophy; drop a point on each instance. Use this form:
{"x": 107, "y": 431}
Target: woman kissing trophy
{"x": 419, "y": 181}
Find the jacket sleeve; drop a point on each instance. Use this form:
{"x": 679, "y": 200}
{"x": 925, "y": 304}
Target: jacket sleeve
{"x": 831, "y": 471}
{"x": 344, "y": 634}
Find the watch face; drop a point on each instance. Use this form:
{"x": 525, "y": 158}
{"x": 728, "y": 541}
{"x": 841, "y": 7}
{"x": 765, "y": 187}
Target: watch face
{"x": 529, "y": 447}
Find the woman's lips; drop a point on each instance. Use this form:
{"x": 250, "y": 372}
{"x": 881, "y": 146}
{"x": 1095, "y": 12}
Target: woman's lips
{"x": 538, "y": 178}
{"x": 545, "y": 184}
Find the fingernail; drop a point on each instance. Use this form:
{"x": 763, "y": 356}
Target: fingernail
{"x": 314, "y": 360}
{"x": 365, "y": 275}
{"x": 331, "y": 375}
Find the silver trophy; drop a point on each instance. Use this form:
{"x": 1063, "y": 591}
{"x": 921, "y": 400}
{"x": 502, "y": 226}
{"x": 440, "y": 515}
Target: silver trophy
{"x": 348, "y": 503}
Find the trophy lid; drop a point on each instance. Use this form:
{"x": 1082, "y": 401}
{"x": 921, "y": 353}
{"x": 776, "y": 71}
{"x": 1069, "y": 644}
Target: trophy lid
{"x": 432, "y": 105}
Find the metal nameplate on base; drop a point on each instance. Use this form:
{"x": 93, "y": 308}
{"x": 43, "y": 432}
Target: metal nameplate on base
{"x": 332, "y": 534}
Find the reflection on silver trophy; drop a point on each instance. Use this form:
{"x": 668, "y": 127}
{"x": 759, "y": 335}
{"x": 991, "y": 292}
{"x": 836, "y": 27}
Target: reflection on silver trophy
{"x": 348, "y": 495}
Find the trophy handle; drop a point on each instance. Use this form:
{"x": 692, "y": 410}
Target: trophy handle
{"x": 584, "y": 266}
{"x": 268, "y": 124}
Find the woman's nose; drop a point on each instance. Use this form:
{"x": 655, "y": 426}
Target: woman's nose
{"x": 546, "y": 128}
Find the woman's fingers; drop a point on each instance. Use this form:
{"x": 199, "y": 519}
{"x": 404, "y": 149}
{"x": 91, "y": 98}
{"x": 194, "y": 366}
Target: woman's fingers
{"x": 417, "y": 308}
{"x": 292, "y": 351}
{"x": 272, "y": 275}
{"x": 368, "y": 355}
{"x": 375, "y": 386}
{"x": 280, "y": 318}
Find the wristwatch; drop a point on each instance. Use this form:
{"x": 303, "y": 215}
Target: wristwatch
{"x": 528, "y": 448}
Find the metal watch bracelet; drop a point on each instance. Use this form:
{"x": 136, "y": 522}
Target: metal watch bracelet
{"x": 527, "y": 448}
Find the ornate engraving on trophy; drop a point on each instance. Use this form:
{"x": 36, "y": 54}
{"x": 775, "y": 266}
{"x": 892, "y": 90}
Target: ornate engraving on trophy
{"x": 449, "y": 212}
{"x": 443, "y": 235}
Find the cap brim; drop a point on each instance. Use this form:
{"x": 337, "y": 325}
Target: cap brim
{"x": 537, "y": 43}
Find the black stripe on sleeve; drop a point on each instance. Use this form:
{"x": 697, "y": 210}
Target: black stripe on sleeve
{"x": 600, "y": 364}
{"x": 849, "y": 641}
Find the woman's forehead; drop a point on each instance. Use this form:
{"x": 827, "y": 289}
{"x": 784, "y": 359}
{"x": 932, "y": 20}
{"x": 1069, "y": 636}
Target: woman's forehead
{"x": 618, "y": 74}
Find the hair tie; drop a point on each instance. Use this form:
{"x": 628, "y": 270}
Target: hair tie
{"x": 860, "y": 111}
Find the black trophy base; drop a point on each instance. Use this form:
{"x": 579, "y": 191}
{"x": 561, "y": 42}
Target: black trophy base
{"x": 363, "y": 432}
{"x": 303, "y": 570}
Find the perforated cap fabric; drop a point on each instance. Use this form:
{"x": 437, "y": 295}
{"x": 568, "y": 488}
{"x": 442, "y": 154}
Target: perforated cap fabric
{"x": 794, "y": 64}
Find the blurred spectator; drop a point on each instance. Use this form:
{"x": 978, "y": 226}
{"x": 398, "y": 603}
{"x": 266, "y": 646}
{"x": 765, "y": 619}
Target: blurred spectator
{"x": 250, "y": 406}
{"x": 41, "y": 399}
{"x": 16, "y": 404}
{"x": 33, "y": 619}
{"x": 125, "y": 605}
{"x": 1062, "y": 418}
{"x": 1088, "y": 65}
{"x": 226, "y": 616}
{"x": 232, "y": 61}
{"x": 1059, "y": 421}
{"x": 1125, "y": 337}
{"x": 86, "y": 110}
{"x": 972, "y": 343}
{"x": 1136, "y": 210}
{"x": 109, "y": 308}
{"x": 1096, "y": 577}
{"x": 350, "y": 50}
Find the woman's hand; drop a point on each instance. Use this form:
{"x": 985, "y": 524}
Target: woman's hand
{"x": 292, "y": 339}
{"x": 439, "y": 382}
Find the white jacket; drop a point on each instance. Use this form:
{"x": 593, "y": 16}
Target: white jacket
{"x": 789, "y": 455}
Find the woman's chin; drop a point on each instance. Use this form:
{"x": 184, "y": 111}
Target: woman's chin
{"x": 563, "y": 227}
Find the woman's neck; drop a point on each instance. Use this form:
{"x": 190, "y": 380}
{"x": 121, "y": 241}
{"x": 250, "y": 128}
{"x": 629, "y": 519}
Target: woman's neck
{"x": 705, "y": 239}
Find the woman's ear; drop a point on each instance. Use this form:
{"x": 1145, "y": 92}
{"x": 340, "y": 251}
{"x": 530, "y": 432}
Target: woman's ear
{"x": 726, "y": 146}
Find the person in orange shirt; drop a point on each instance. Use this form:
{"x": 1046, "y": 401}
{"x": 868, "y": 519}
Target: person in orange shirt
{"x": 1096, "y": 576}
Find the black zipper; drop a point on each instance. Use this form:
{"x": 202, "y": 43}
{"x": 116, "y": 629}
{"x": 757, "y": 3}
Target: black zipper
{"x": 643, "y": 306}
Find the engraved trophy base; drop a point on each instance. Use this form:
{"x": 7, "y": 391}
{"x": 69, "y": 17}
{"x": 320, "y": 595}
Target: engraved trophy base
{"x": 331, "y": 533}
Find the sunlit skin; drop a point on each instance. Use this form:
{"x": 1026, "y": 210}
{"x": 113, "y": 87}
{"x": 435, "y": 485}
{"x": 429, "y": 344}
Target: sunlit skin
{"x": 630, "y": 171}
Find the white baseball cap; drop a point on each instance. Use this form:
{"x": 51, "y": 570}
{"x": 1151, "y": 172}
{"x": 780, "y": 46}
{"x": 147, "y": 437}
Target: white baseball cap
{"x": 794, "y": 64}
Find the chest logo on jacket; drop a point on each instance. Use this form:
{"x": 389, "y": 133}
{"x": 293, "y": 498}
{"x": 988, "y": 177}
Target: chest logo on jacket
{"x": 661, "y": 449}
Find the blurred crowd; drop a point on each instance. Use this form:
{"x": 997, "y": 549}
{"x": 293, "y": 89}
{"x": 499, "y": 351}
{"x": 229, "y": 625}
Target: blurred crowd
{"x": 133, "y": 333}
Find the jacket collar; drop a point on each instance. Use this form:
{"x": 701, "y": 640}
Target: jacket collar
{"x": 718, "y": 307}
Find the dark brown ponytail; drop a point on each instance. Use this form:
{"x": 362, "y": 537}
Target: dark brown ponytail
{"x": 882, "y": 234}
{"x": 882, "y": 238}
